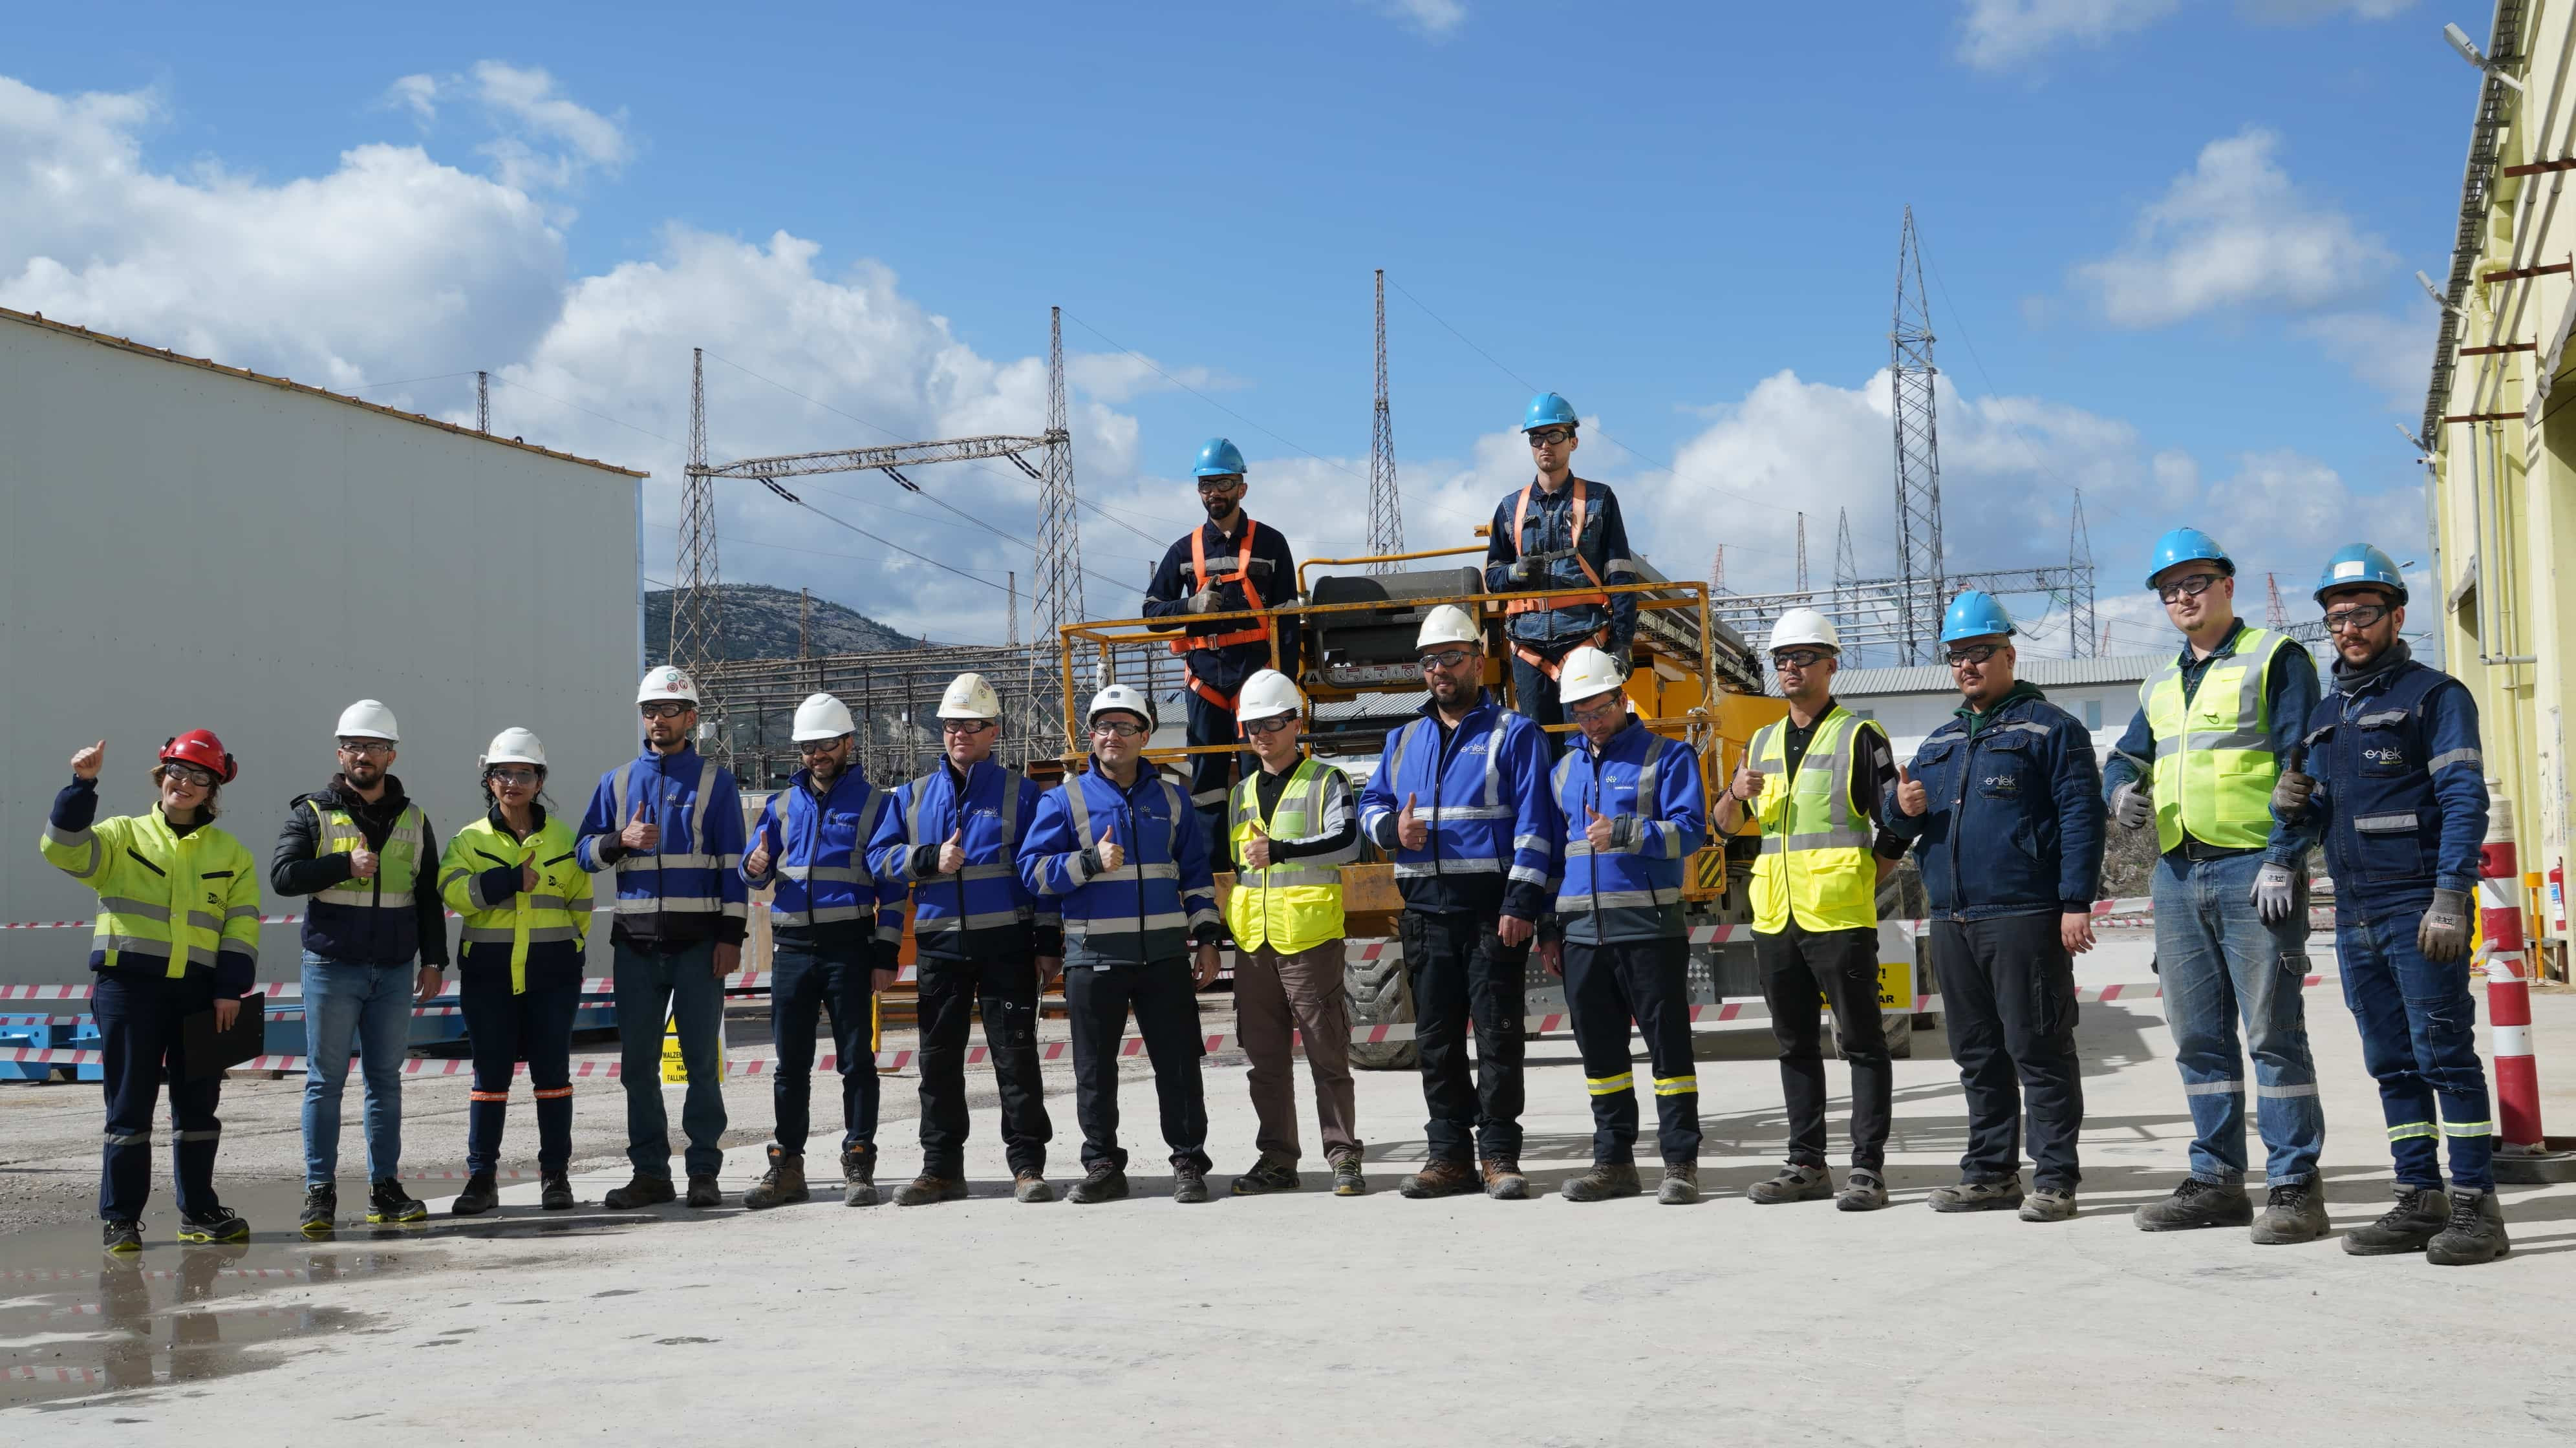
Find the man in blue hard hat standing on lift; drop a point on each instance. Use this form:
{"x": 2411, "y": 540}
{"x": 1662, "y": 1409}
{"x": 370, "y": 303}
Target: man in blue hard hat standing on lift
{"x": 1558, "y": 543}
{"x": 2213, "y": 731}
{"x": 1229, "y": 564}
{"x": 2395, "y": 785}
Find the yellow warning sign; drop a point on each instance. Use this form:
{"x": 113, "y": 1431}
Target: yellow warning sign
{"x": 1895, "y": 986}
{"x": 675, "y": 1070}
{"x": 1708, "y": 872}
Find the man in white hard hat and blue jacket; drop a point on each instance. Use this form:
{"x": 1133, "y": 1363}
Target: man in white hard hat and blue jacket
{"x": 1121, "y": 854}
{"x": 2394, "y": 784}
{"x": 833, "y": 940}
{"x": 375, "y": 942}
{"x": 1229, "y": 564}
{"x": 982, "y": 942}
{"x": 1460, "y": 802}
{"x": 1558, "y": 542}
{"x": 669, "y": 824}
{"x": 1812, "y": 782}
{"x": 1634, "y": 811}
{"x": 2004, "y": 810}
{"x": 2213, "y": 731}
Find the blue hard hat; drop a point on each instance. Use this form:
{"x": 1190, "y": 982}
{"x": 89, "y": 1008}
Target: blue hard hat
{"x": 2358, "y": 565}
{"x": 1220, "y": 458}
{"x": 1547, "y": 410}
{"x": 2186, "y": 545}
{"x": 1974, "y": 614}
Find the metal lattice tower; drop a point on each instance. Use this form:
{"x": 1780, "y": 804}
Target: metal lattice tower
{"x": 697, "y": 613}
{"x": 2276, "y": 616}
{"x": 1055, "y": 594}
{"x": 1802, "y": 552}
{"x": 2081, "y": 638}
{"x": 1386, "y": 511}
{"x": 1911, "y": 377}
{"x": 483, "y": 403}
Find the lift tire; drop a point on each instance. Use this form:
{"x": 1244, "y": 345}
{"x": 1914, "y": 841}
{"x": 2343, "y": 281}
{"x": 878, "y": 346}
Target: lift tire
{"x": 1380, "y": 993}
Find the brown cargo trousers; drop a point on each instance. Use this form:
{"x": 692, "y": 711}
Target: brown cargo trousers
{"x": 1272, "y": 993}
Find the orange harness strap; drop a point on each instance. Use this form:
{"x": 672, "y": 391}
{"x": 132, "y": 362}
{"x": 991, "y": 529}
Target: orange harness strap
{"x": 1553, "y": 667}
{"x": 1255, "y": 634}
{"x": 1536, "y": 602}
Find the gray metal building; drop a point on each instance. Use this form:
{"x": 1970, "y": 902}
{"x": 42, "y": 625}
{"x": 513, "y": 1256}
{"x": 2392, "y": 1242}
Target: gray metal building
{"x": 187, "y": 545}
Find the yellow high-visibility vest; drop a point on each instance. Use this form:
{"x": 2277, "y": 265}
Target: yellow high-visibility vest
{"x": 336, "y": 832}
{"x": 2214, "y": 762}
{"x": 1815, "y": 861}
{"x": 557, "y": 909}
{"x": 1294, "y": 906}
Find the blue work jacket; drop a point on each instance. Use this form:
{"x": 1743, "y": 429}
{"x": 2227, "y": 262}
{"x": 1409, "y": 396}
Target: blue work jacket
{"x": 818, "y": 860}
{"x": 984, "y": 911}
{"x": 1482, "y": 788}
{"x": 688, "y": 888}
{"x": 1151, "y": 908}
{"x": 2401, "y": 796}
{"x": 1649, "y": 788}
{"x": 2014, "y": 817}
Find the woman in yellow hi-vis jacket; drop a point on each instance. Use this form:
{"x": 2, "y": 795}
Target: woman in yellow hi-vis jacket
{"x": 526, "y": 903}
{"x": 177, "y": 936}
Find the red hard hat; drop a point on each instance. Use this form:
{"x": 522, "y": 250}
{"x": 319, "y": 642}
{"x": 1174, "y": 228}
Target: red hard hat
{"x": 200, "y": 747}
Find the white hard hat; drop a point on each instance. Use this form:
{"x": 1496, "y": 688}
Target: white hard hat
{"x": 514, "y": 746}
{"x": 1121, "y": 697}
{"x": 1588, "y": 671}
{"x": 1448, "y": 624}
{"x": 969, "y": 697}
{"x": 821, "y": 717}
{"x": 1804, "y": 626}
{"x": 665, "y": 682}
{"x": 1267, "y": 695}
{"x": 368, "y": 719}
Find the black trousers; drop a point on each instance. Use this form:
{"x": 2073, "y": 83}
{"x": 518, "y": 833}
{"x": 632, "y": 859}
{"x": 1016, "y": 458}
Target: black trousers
{"x": 1606, "y": 987}
{"x": 1461, "y": 971}
{"x": 2008, "y": 998}
{"x": 1166, "y": 1002}
{"x": 1842, "y": 966}
{"x": 808, "y": 982}
{"x": 139, "y": 1015}
{"x": 1212, "y": 776}
{"x": 1006, "y": 988}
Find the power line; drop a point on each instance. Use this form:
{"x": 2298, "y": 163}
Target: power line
{"x": 577, "y": 407}
{"x": 1203, "y": 397}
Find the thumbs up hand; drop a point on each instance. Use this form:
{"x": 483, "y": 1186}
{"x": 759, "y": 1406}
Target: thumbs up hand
{"x": 362, "y": 863}
{"x": 1410, "y": 832}
{"x": 639, "y": 835}
{"x": 86, "y": 762}
{"x": 1257, "y": 853}
{"x": 1910, "y": 794}
{"x": 1598, "y": 831}
{"x": 1747, "y": 784}
{"x": 1112, "y": 856}
{"x": 527, "y": 876}
{"x": 952, "y": 852}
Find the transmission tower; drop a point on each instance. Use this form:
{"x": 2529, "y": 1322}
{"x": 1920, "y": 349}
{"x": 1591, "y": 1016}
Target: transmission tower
{"x": 1918, "y": 452}
{"x": 1846, "y": 578}
{"x": 1386, "y": 512}
{"x": 1802, "y": 552}
{"x": 2275, "y": 616}
{"x": 1012, "y": 638}
{"x": 483, "y": 403}
{"x": 1056, "y": 594}
{"x": 2079, "y": 585}
{"x": 697, "y": 613}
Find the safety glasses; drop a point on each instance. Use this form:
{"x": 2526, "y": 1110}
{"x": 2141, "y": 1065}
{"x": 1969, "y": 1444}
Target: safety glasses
{"x": 516, "y": 774}
{"x": 1549, "y": 436}
{"x": 1268, "y": 726}
{"x": 2356, "y": 618}
{"x": 1117, "y": 729}
{"x": 964, "y": 726}
{"x": 2190, "y": 585}
{"x": 1445, "y": 660}
{"x": 186, "y": 773}
{"x": 1798, "y": 658}
{"x": 366, "y": 748}
{"x": 665, "y": 708}
{"x": 820, "y": 748}
{"x": 1973, "y": 654}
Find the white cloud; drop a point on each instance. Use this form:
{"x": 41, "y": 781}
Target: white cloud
{"x": 543, "y": 141}
{"x": 2003, "y": 34}
{"x": 2233, "y": 232}
{"x": 2297, "y": 12}
{"x": 1437, "y": 19}
{"x": 417, "y": 94}
{"x": 1124, "y": 376}
{"x": 2392, "y": 354}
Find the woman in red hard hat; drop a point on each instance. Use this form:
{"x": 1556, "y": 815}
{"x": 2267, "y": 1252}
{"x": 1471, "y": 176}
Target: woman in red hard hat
{"x": 177, "y": 935}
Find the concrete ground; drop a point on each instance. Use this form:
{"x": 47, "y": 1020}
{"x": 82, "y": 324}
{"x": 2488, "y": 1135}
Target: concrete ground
{"x": 1291, "y": 1319}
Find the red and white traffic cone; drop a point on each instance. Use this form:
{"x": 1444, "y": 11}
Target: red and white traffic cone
{"x": 2523, "y": 1152}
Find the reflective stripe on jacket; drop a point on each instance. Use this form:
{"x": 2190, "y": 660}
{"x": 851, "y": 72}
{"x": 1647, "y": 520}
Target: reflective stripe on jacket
{"x": 1147, "y": 909}
{"x": 1484, "y": 793}
{"x": 984, "y": 910}
{"x": 166, "y": 901}
{"x": 1295, "y": 905}
{"x": 478, "y": 876}
{"x": 689, "y": 887}
{"x": 1649, "y": 788}
{"x": 1572, "y": 566}
{"x": 1815, "y": 863}
{"x": 2215, "y": 765}
{"x": 818, "y": 854}
{"x": 2401, "y": 796}
{"x": 365, "y": 910}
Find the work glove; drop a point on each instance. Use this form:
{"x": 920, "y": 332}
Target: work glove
{"x": 2275, "y": 894}
{"x": 2133, "y": 804}
{"x": 1203, "y": 601}
{"x": 2444, "y": 935}
{"x": 2290, "y": 795}
{"x": 1523, "y": 570}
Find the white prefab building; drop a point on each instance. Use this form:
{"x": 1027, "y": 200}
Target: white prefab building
{"x": 1911, "y": 702}
{"x": 193, "y": 546}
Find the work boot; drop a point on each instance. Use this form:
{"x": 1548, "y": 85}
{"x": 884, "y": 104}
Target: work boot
{"x": 783, "y": 1183}
{"x": 1503, "y": 1179}
{"x": 927, "y": 1188}
{"x": 2049, "y": 1204}
{"x": 557, "y": 1194}
{"x": 2000, "y": 1196}
{"x": 2291, "y": 1213}
{"x": 703, "y": 1191}
{"x": 2474, "y": 1234}
{"x": 1189, "y": 1182}
{"x": 1607, "y": 1179}
{"x": 1795, "y": 1183}
{"x": 1347, "y": 1178}
{"x": 121, "y": 1235}
{"x": 216, "y": 1224}
{"x": 859, "y": 1177}
{"x": 388, "y": 1202}
{"x": 1031, "y": 1186}
{"x": 2409, "y": 1226}
{"x": 1270, "y": 1174}
{"x": 2196, "y": 1203}
{"x": 1105, "y": 1182}
{"x": 1681, "y": 1184}
{"x": 1863, "y": 1191}
{"x": 479, "y": 1196}
{"x": 641, "y": 1191}
{"x": 321, "y": 1205}
{"x": 1441, "y": 1177}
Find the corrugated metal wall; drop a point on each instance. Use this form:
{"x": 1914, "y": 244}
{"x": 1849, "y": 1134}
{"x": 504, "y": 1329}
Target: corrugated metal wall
{"x": 184, "y": 548}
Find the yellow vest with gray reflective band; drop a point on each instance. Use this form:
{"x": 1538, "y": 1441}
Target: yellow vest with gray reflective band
{"x": 1298, "y": 905}
{"x": 1815, "y": 862}
{"x": 397, "y": 864}
{"x": 163, "y": 896}
{"x": 558, "y": 909}
{"x": 2214, "y": 762}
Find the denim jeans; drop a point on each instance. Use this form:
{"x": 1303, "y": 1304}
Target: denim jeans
{"x": 2219, "y": 963}
{"x": 651, "y": 987}
{"x": 2419, "y": 1039}
{"x": 346, "y": 1004}
{"x": 805, "y": 983}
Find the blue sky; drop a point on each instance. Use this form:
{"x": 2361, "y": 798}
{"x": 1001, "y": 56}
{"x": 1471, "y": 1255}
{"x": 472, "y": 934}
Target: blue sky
{"x": 2171, "y": 245}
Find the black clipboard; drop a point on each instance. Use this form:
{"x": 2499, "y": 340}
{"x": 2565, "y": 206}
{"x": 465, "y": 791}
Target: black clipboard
{"x": 211, "y": 1052}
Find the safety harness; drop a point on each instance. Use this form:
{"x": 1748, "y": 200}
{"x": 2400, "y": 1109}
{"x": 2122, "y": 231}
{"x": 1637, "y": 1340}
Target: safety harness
{"x": 1251, "y": 633}
{"x": 1536, "y": 602}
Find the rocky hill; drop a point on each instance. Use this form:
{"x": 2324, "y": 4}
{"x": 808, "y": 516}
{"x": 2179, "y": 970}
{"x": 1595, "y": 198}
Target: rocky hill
{"x": 760, "y": 623}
